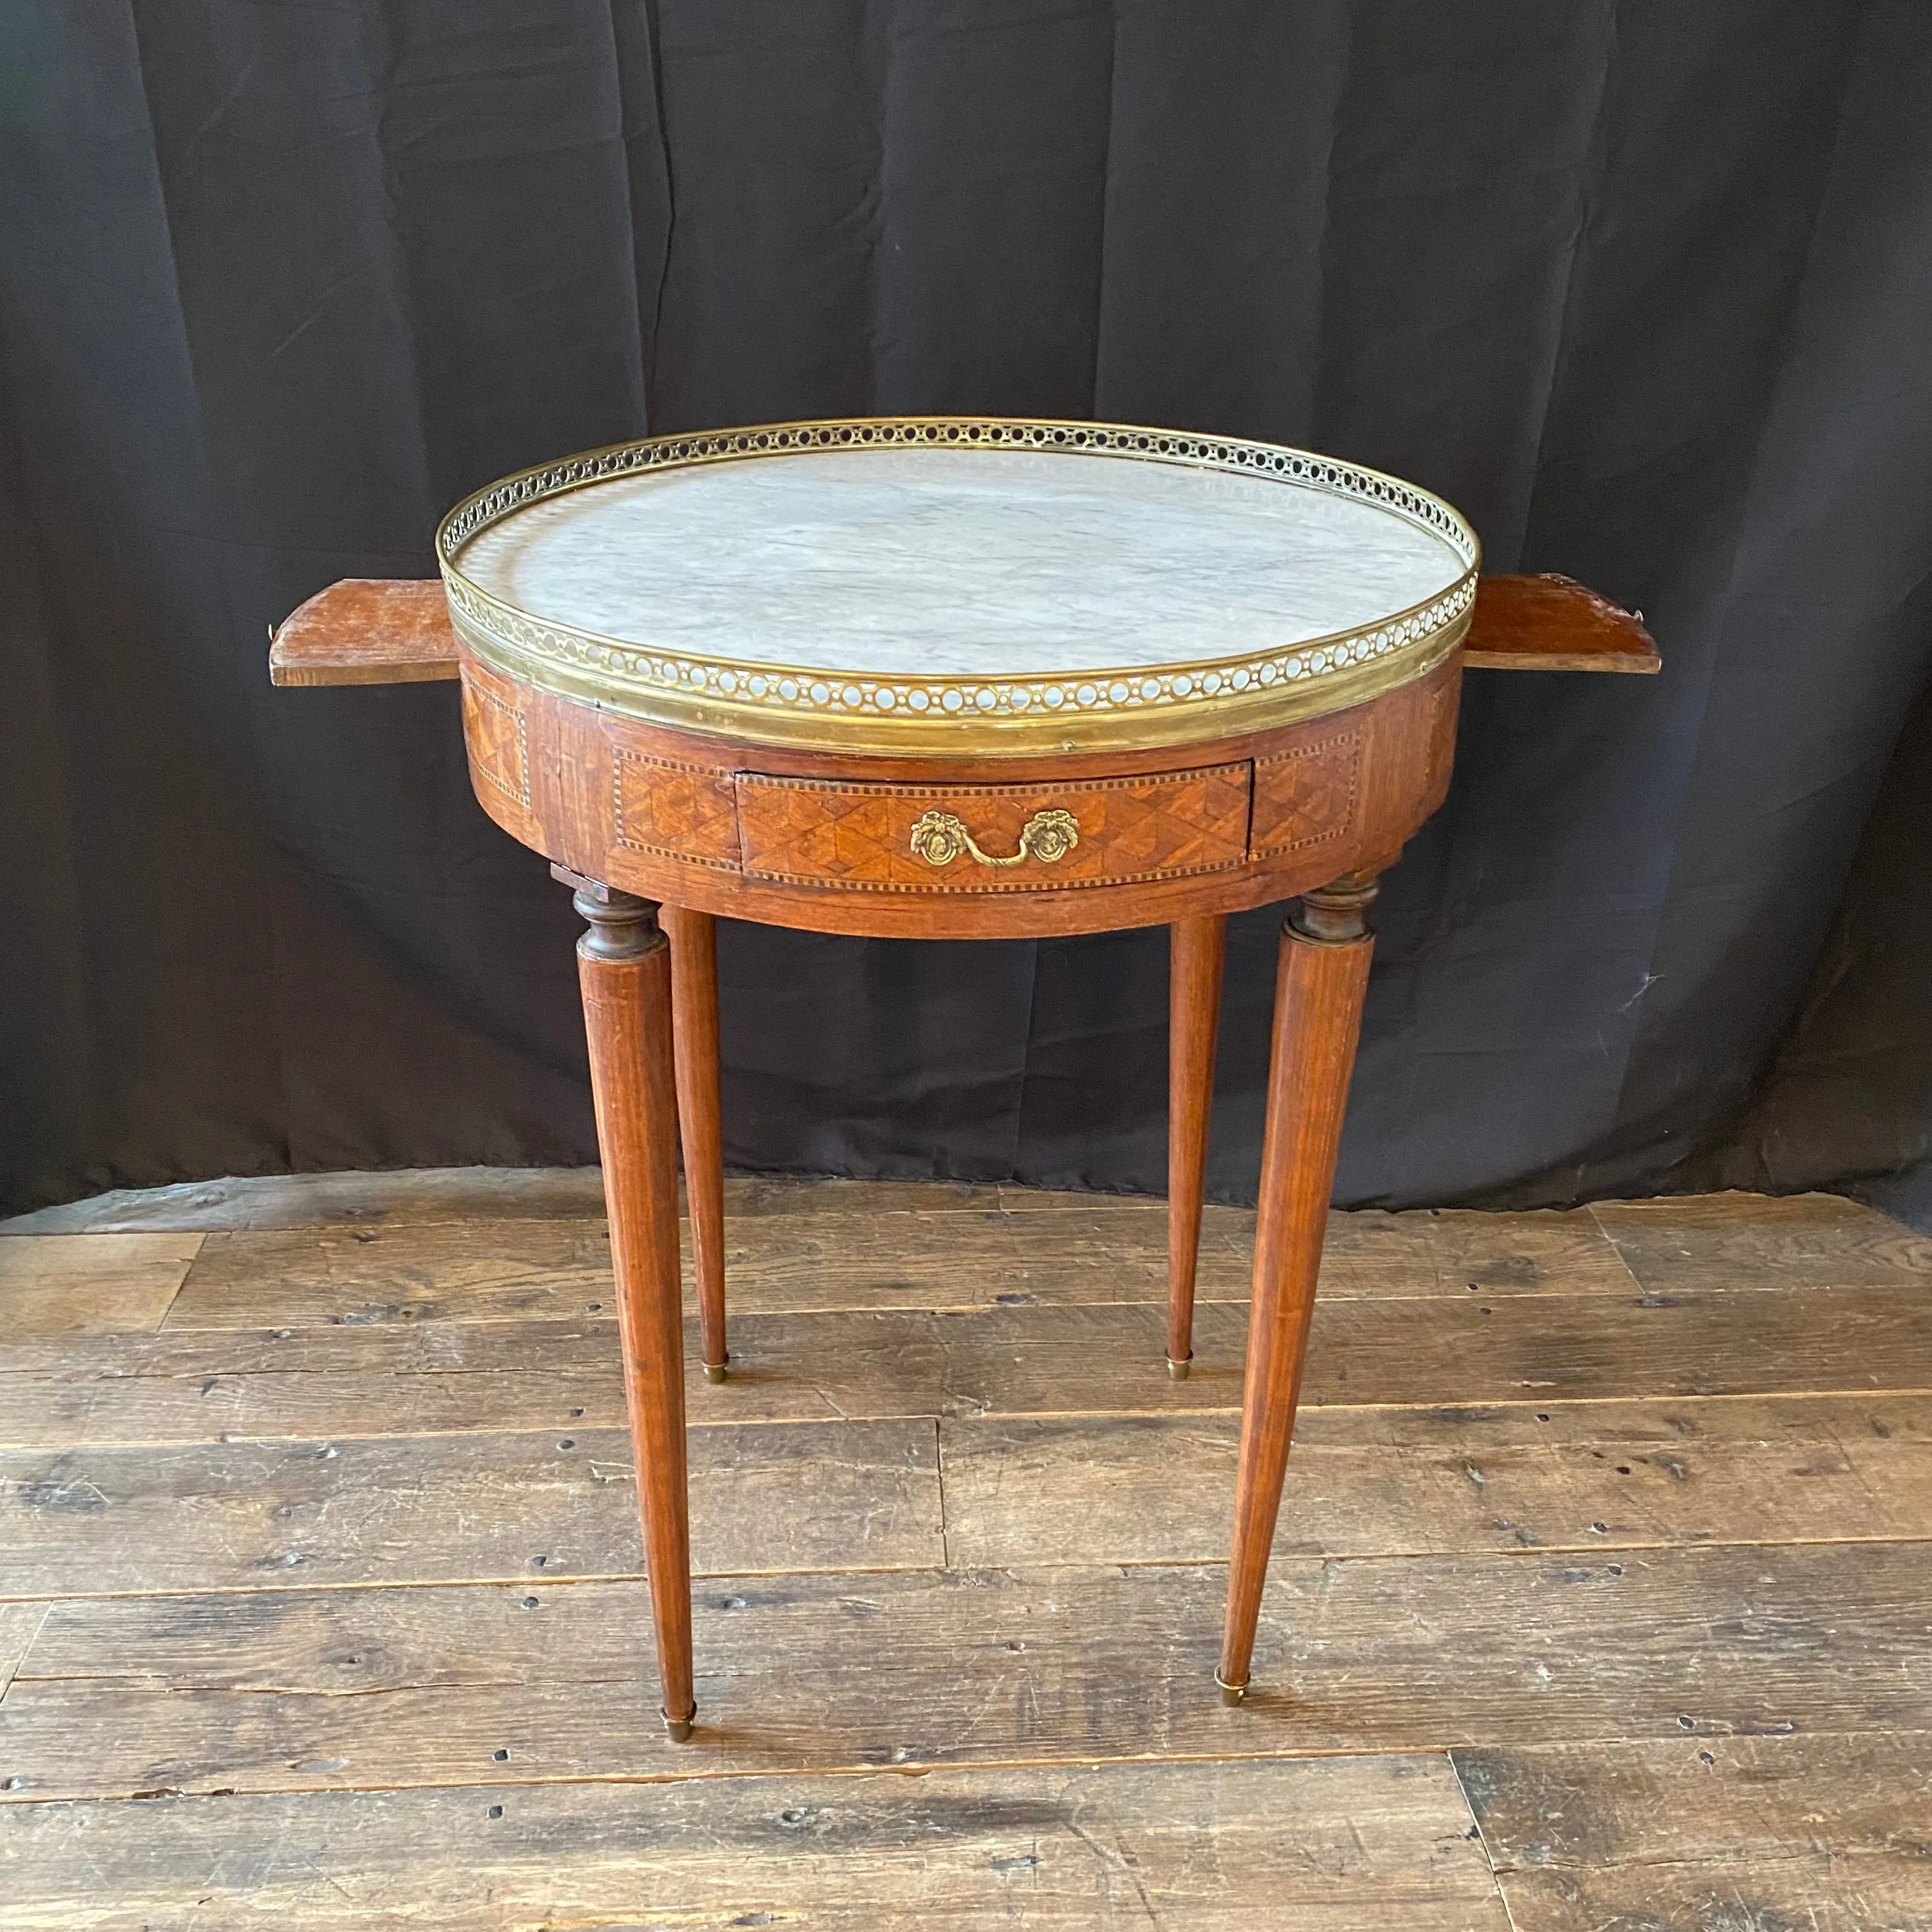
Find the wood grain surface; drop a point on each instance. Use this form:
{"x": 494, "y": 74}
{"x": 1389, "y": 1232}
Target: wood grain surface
{"x": 320, "y": 1599}
{"x": 52, "y": 1286}
{"x": 1197, "y": 951}
{"x": 1550, "y": 622}
{"x": 1593, "y": 1476}
{"x": 1319, "y": 986}
{"x": 248, "y": 1516}
{"x": 856, "y": 837}
{"x": 873, "y": 1249}
{"x": 394, "y": 1687}
{"x": 1825, "y": 1832}
{"x": 821, "y": 840}
{"x": 20, "y": 1624}
{"x": 694, "y": 972}
{"x": 1744, "y": 1241}
{"x": 1334, "y": 1844}
{"x": 1026, "y": 1358}
{"x": 366, "y": 631}
{"x": 326, "y": 1200}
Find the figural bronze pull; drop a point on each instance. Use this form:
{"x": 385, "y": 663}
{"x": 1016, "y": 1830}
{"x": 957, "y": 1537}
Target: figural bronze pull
{"x": 939, "y": 837}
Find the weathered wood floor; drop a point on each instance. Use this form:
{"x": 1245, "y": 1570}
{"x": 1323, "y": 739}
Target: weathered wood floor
{"x": 1602, "y": 1601}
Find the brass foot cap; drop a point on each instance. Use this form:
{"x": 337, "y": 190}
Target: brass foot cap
{"x": 679, "y": 1728}
{"x": 1231, "y": 1694}
{"x": 1178, "y": 1370}
{"x": 714, "y": 1371}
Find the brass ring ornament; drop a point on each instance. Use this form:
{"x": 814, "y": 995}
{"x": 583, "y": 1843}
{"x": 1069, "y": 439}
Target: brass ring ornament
{"x": 1138, "y": 707}
{"x": 939, "y": 837}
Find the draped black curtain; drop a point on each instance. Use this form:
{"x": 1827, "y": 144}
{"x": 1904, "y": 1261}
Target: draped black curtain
{"x": 1641, "y": 285}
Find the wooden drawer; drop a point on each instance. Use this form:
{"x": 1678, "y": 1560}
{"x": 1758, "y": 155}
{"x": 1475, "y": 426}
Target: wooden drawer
{"x": 993, "y": 839}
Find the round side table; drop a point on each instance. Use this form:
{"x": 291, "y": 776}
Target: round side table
{"x": 956, "y": 678}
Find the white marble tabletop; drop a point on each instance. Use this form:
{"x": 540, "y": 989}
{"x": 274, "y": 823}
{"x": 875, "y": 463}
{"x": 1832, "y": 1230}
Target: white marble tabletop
{"x": 950, "y": 562}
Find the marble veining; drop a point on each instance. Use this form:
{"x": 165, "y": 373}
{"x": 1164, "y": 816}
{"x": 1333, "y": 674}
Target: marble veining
{"x": 947, "y": 562}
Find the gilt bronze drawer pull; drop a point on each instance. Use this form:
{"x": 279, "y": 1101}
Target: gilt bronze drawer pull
{"x": 939, "y": 837}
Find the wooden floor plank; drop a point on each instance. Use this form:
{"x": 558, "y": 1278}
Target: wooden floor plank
{"x": 53, "y": 1286}
{"x": 749, "y": 1195}
{"x": 813, "y": 1260}
{"x": 1366, "y": 1253}
{"x": 395, "y": 1378}
{"x": 422, "y": 1195}
{"x": 1329, "y": 1845}
{"x": 424, "y": 1687}
{"x": 325, "y": 1200}
{"x": 862, "y": 1495}
{"x": 1368, "y": 1482}
{"x": 472, "y": 1271}
{"x": 1747, "y": 1241}
{"x": 437, "y": 1509}
{"x": 1833, "y": 1833}
{"x": 1450, "y": 1251}
{"x": 1474, "y": 1350}
{"x": 1628, "y": 1506}
{"x": 234, "y": 1385}
{"x": 20, "y": 1624}
{"x": 557, "y": 1269}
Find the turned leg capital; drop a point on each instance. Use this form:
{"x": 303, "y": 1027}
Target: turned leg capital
{"x": 1337, "y": 913}
{"x": 622, "y": 926}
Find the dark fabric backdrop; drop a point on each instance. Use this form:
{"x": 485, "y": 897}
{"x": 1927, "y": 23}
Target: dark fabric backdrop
{"x": 1640, "y": 285}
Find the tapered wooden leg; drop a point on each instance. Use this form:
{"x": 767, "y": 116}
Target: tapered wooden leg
{"x": 693, "y": 1007}
{"x": 624, "y": 965}
{"x": 1323, "y": 972}
{"x": 1198, "y": 948}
